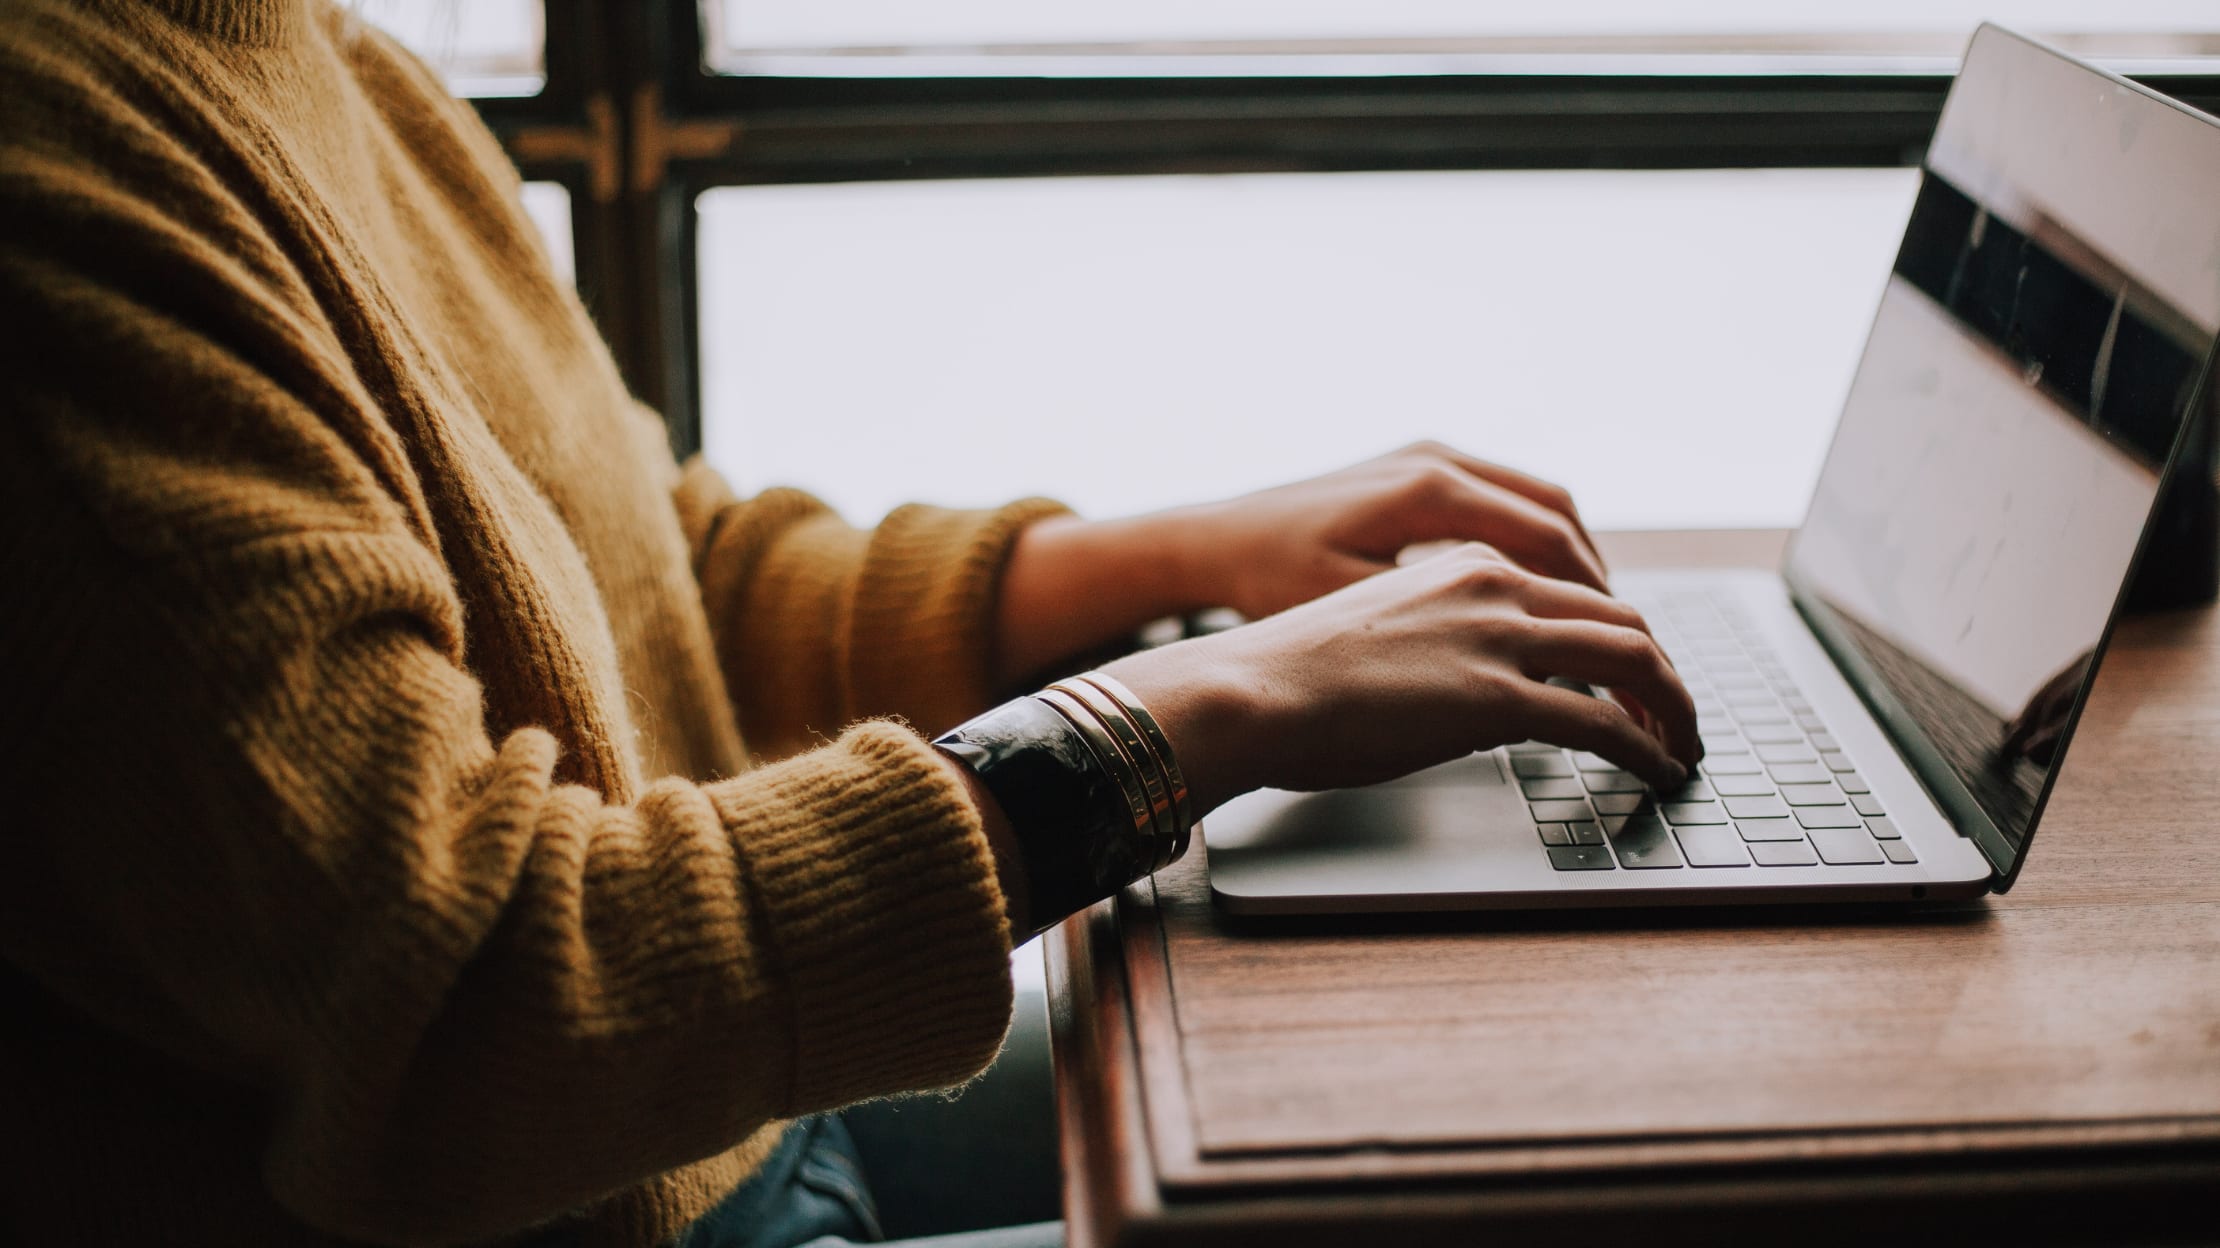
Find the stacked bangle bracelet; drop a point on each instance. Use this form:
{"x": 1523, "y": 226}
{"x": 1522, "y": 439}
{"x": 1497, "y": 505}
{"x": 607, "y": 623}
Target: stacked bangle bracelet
{"x": 1145, "y": 750}
{"x": 1088, "y": 781}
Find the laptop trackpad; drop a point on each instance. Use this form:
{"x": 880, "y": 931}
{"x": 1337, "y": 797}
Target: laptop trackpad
{"x": 1395, "y": 836}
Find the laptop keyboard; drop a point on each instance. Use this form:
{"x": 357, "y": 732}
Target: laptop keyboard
{"x": 1775, "y": 788}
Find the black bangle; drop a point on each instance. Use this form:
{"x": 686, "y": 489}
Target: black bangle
{"x": 1075, "y": 835}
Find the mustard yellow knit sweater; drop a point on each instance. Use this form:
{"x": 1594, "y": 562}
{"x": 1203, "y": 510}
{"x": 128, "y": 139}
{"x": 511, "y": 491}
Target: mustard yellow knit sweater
{"x": 380, "y": 857}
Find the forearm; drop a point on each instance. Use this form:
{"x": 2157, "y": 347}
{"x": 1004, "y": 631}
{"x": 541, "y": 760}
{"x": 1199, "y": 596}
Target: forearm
{"x": 1074, "y": 585}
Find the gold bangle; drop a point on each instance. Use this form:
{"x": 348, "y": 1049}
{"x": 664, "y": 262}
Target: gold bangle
{"x": 1137, "y": 752}
{"x": 1107, "y": 753}
{"x": 1183, "y": 807}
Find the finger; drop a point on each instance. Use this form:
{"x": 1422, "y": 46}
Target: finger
{"x": 1577, "y": 721}
{"x": 1543, "y": 493}
{"x": 1459, "y": 507}
{"x": 1563, "y": 600}
{"x": 1626, "y": 661}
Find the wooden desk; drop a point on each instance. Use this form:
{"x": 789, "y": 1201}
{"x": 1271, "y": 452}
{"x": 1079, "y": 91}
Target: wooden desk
{"x": 2043, "y": 1065}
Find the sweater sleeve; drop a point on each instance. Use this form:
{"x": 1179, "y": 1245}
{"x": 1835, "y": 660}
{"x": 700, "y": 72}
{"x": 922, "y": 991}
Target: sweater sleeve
{"x": 258, "y": 824}
{"x": 896, "y": 620}
{"x": 820, "y": 622}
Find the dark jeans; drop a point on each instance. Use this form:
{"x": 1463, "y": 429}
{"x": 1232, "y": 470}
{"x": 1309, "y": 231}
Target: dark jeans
{"x": 811, "y": 1189}
{"x": 812, "y": 1192}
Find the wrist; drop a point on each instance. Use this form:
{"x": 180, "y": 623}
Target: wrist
{"x": 1072, "y": 585}
{"x": 1077, "y": 792}
{"x": 1190, "y": 553}
{"x": 1206, "y": 711}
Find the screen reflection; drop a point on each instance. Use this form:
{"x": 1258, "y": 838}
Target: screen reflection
{"x": 2036, "y": 353}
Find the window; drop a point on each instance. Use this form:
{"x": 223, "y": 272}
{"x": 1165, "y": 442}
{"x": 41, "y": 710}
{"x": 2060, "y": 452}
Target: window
{"x": 1666, "y": 232}
{"x": 485, "y": 49}
{"x": 982, "y": 219}
{"x": 1133, "y": 343}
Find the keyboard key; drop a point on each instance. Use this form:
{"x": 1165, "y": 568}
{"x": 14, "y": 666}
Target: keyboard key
{"x": 1586, "y": 832}
{"x": 1593, "y": 762}
{"x": 1731, "y": 763}
{"x": 1824, "y": 742}
{"x": 1556, "y": 788}
{"x": 1536, "y": 766}
{"x": 1829, "y": 817}
{"x": 1898, "y": 851}
{"x": 1619, "y": 803}
{"x": 1741, "y": 698}
{"x": 1837, "y": 761}
{"x": 1804, "y": 795}
{"x": 1738, "y": 680}
{"x": 1612, "y": 782}
{"x": 1852, "y": 782}
{"x": 1772, "y": 734}
{"x": 1788, "y": 753}
{"x": 1696, "y": 790}
{"x": 1766, "y": 807}
{"x": 1769, "y": 829}
{"x": 1770, "y": 713}
{"x": 1845, "y": 847}
{"x": 1554, "y": 834}
{"x": 1728, "y": 743}
{"x": 1579, "y": 857}
{"x": 1882, "y": 829}
{"x": 1811, "y": 723}
{"x": 1699, "y": 627}
{"x": 1559, "y": 811}
{"x": 1533, "y": 747}
{"x": 1783, "y": 854}
{"x": 1742, "y": 786}
{"x": 1693, "y": 812}
{"x": 1796, "y": 773}
{"x": 1867, "y": 804}
{"x": 1642, "y": 843}
{"x": 1714, "y": 725}
{"x": 1712, "y": 847}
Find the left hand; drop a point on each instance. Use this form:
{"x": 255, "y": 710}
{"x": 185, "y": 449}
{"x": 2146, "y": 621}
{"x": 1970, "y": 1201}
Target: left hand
{"x": 1268, "y": 551}
{"x": 1071, "y": 585}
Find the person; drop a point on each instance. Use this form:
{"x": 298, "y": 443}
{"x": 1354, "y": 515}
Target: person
{"x": 438, "y": 816}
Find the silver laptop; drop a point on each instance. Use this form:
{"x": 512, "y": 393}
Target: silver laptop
{"x": 1884, "y": 717}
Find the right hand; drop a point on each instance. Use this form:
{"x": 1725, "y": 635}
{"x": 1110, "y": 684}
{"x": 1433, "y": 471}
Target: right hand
{"x": 1414, "y": 667}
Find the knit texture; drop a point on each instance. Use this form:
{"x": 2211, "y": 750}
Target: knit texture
{"x": 383, "y": 860}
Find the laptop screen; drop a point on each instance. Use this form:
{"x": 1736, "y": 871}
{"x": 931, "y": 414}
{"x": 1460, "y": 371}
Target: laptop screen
{"x": 2038, "y": 351}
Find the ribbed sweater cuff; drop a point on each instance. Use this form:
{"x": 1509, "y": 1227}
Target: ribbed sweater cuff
{"x": 878, "y": 895}
{"x": 923, "y": 634}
